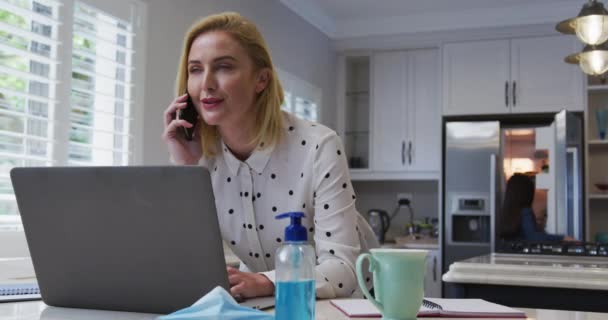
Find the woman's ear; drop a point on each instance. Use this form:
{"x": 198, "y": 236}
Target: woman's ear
{"x": 262, "y": 80}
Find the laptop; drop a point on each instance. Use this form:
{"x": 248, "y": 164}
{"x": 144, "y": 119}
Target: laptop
{"x": 140, "y": 239}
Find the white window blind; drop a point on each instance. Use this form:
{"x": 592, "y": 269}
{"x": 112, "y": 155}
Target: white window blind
{"x": 301, "y": 98}
{"x": 64, "y": 103}
{"x": 28, "y": 77}
{"x": 101, "y": 97}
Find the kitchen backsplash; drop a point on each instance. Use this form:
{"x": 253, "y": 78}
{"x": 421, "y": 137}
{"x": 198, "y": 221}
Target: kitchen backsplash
{"x": 383, "y": 195}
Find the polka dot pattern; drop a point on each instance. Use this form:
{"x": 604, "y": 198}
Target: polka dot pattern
{"x": 306, "y": 172}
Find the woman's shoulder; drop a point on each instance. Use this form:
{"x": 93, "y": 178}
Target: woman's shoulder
{"x": 298, "y": 128}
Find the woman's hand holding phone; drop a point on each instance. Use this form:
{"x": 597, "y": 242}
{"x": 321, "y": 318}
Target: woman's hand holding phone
{"x": 182, "y": 151}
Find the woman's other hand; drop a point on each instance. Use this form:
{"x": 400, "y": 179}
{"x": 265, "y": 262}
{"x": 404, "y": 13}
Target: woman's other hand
{"x": 182, "y": 151}
{"x": 249, "y": 285}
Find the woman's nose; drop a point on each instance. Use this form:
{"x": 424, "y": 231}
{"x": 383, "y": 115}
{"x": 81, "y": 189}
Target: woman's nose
{"x": 209, "y": 82}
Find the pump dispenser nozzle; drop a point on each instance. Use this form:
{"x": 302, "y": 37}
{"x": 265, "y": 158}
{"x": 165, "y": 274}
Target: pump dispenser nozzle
{"x": 294, "y": 231}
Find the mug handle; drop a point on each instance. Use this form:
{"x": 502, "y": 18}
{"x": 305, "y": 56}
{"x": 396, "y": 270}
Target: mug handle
{"x": 372, "y": 268}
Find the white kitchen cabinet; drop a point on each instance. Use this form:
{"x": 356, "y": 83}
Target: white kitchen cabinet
{"x": 389, "y": 121}
{"x": 541, "y": 80}
{"x": 425, "y": 111}
{"x": 405, "y": 114}
{"x": 432, "y": 278}
{"x": 475, "y": 77}
{"x": 389, "y": 114}
{"x": 523, "y": 75}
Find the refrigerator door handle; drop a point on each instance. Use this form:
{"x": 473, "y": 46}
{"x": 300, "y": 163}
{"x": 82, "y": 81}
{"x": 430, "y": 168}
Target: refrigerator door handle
{"x": 576, "y": 214}
{"x": 493, "y": 202}
{"x": 435, "y": 269}
{"x": 403, "y": 152}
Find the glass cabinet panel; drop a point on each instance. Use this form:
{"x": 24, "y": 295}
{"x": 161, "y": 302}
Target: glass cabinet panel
{"x": 357, "y": 111}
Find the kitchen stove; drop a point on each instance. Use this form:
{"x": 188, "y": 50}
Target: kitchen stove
{"x": 565, "y": 248}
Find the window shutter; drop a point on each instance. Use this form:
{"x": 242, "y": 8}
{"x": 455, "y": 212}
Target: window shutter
{"x": 101, "y": 95}
{"x": 300, "y": 97}
{"x": 28, "y": 76}
{"x": 100, "y": 100}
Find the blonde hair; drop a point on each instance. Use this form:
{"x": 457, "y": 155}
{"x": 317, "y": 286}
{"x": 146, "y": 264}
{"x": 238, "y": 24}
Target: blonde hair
{"x": 269, "y": 121}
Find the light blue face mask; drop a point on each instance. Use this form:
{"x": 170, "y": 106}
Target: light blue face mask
{"x": 217, "y": 304}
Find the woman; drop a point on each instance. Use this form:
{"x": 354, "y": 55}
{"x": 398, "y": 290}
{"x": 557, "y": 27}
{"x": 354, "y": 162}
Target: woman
{"x": 519, "y": 221}
{"x": 263, "y": 162}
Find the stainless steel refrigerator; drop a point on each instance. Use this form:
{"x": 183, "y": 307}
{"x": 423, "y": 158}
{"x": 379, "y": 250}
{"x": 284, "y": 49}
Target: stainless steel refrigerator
{"x": 479, "y": 157}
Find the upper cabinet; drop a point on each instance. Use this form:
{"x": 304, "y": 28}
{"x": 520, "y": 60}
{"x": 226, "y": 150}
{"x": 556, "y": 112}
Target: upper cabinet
{"x": 389, "y": 114}
{"x": 526, "y": 75}
{"x": 392, "y": 147}
{"x": 406, "y": 117}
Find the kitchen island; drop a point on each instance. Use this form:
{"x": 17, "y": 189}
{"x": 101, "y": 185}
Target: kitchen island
{"x": 532, "y": 281}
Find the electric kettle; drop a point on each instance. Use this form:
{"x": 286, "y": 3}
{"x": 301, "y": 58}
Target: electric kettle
{"x": 379, "y": 221}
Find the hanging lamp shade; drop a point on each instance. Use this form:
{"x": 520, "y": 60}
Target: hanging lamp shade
{"x": 591, "y": 24}
{"x": 593, "y": 60}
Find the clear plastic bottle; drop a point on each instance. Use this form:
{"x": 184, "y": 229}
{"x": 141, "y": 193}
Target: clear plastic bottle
{"x": 295, "y": 273}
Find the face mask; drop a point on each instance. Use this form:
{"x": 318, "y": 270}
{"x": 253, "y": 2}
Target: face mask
{"x": 217, "y": 304}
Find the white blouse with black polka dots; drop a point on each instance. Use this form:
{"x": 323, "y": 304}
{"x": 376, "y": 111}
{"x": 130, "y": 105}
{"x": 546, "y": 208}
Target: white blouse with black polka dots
{"x": 307, "y": 171}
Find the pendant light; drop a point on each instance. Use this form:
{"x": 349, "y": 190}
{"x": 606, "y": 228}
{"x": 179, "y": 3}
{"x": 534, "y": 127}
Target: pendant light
{"x": 593, "y": 60}
{"x": 590, "y": 26}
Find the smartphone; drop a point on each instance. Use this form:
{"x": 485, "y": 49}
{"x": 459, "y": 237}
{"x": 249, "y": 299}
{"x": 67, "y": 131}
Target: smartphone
{"x": 189, "y": 114}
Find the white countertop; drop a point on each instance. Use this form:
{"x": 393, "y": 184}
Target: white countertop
{"x": 532, "y": 271}
{"x": 408, "y": 242}
{"x": 37, "y": 310}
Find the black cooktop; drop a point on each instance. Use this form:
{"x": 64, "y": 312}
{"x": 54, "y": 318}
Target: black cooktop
{"x": 552, "y": 248}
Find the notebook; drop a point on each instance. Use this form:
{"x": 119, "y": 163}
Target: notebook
{"x": 19, "y": 292}
{"x": 17, "y": 280}
{"x": 434, "y": 307}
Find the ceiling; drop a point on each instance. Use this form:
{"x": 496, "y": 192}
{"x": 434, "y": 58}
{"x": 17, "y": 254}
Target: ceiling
{"x": 353, "y": 18}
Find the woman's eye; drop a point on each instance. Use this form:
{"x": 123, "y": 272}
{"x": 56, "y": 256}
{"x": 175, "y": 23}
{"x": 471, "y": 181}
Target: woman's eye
{"x": 194, "y": 70}
{"x": 225, "y": 66}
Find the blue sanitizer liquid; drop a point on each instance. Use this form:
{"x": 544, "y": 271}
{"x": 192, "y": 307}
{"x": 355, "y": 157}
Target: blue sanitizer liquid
{"x": 295, "y": 300}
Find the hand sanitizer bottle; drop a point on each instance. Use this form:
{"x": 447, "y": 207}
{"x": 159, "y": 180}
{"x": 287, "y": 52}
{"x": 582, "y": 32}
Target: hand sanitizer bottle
{"x": 295, "y": 273}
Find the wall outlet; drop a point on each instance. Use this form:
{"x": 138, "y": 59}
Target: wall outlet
{"x": 407, "y": 196}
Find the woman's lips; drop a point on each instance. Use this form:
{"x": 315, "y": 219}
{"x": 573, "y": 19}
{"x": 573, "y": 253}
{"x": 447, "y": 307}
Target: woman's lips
{"x": 211, "y": 103}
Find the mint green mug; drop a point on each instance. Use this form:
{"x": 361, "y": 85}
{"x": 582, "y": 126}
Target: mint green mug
{"x": 398, "y": 281}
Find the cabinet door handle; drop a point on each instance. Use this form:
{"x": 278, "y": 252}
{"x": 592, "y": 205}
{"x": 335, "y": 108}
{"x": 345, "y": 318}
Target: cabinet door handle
{"x": 409, "y": 152}
{"x": 514, "y": 93}
{"x": 434, "y": 269}
{"x": 507, "y": 94}
{"x": 402, "y": 152}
